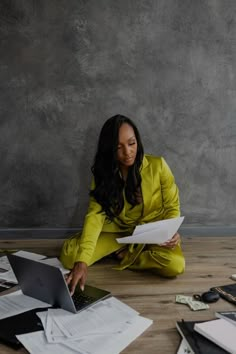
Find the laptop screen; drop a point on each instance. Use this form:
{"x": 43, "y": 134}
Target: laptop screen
{"x": 47, "y": 283}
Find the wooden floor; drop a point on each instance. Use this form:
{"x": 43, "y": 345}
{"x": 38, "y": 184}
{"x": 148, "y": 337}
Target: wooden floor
{"x": 209, "y": 262}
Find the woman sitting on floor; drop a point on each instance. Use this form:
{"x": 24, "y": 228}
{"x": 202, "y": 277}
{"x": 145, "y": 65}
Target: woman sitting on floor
{"x": 129, "y": 188}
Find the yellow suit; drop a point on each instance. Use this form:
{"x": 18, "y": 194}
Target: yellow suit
{"x": 98, "y": 237}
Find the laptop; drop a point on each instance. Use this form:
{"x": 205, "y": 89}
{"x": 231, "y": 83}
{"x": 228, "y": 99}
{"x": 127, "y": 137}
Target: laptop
{"x": 47, "y": 283}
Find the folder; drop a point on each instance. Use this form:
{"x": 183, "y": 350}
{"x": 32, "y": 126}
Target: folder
{"x": 19, "y": 324}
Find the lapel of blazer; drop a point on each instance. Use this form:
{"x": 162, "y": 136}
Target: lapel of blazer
{"x": 146, "y": 185}
{"x": 147, "y": 180}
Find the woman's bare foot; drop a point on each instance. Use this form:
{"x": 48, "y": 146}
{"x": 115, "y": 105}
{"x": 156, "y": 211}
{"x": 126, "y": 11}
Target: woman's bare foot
{"x": 120, "y": 254}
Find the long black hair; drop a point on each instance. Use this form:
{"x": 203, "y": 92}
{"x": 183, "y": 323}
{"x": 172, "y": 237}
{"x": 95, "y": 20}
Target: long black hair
{"x": 109, "y": 184}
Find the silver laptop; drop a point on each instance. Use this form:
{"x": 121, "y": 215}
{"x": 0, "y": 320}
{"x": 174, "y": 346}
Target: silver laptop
{"x": 47, "y": 283}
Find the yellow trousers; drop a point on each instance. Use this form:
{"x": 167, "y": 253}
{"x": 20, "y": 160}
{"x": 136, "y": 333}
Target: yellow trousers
{"x": 160, "y": 260}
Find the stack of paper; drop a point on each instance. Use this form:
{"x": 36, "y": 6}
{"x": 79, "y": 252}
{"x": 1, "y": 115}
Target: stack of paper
{"x": 106, "y": 327}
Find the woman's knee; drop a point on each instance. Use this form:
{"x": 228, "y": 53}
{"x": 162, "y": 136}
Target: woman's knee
{"x": 175, "y": 267}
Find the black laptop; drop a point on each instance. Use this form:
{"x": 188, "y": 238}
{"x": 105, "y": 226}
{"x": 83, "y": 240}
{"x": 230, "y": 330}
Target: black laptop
{"x": 47, "y": 283}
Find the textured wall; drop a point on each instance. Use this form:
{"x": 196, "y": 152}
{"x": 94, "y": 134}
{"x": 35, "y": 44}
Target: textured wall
{"x": 66, "y": 66}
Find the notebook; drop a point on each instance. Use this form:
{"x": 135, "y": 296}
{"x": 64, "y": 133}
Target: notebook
{"x": 47, "y": 283}
{"x": 197, "y": 343}
{"x": 219, "y": 331}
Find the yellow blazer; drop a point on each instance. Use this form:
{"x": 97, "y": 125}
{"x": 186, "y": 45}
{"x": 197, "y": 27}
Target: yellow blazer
{"x": 160, "y": 201}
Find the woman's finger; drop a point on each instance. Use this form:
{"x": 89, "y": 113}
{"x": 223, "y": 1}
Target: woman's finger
{"x": 74, "y": 281}
{"x": 68, "y": 278}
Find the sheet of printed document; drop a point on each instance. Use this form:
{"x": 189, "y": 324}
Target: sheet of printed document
{"x": 156, "y": 232}
{"x": 112, "y": 344}
{"x": 15, "y": 303}
{"x": 51, "y": 330}
{"x": 36, "y": 343}
{"x": 30, "y": 255}
{"x": 8, "y": 276}
{"x": 6, "y": 273}
{"x": 4, "y": 264}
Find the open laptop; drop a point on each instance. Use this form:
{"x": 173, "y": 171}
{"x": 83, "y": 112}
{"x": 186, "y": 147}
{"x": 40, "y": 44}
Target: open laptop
{"x": 47, "y": 283}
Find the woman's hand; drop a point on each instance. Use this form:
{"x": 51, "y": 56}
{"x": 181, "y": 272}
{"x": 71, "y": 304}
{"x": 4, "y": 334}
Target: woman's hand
{"x": 173, "y": 242}
{"x": 77, "y": 275}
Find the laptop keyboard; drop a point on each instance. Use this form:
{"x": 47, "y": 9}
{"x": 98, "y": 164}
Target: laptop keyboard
{"x": 80, "y": 300}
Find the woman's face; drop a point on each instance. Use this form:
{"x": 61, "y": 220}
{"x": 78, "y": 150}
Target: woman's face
{"x": 127, "y": 146}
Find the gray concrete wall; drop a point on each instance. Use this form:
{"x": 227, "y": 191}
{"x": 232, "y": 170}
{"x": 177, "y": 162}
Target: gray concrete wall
{"x": 67, "y": 66}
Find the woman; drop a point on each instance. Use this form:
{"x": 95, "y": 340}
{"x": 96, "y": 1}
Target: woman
{"x": 128, "y": 189}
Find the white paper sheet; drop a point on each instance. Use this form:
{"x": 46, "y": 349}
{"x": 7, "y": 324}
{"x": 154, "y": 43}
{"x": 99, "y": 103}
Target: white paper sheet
{"x": 4, "y": 263}
{"x": 184, "y": 348}
{"x": 6, "y": 273}
{"x": 112, "y": 344}
{"x": 8, "y": 276}
{"x": 51, "y": 329}
{"x": 29, "y": 255}
{"x": 13, "y": 304}
{"x": 154, "y": 233}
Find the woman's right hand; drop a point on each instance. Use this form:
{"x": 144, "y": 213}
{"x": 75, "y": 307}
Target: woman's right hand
{"x": 77, "y": 275}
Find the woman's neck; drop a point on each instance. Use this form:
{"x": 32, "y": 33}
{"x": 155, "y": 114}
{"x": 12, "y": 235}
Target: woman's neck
{"x": 124, "y": 172}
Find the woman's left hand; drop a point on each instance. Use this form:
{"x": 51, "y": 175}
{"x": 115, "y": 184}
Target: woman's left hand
{"x": 173, "y": 242}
